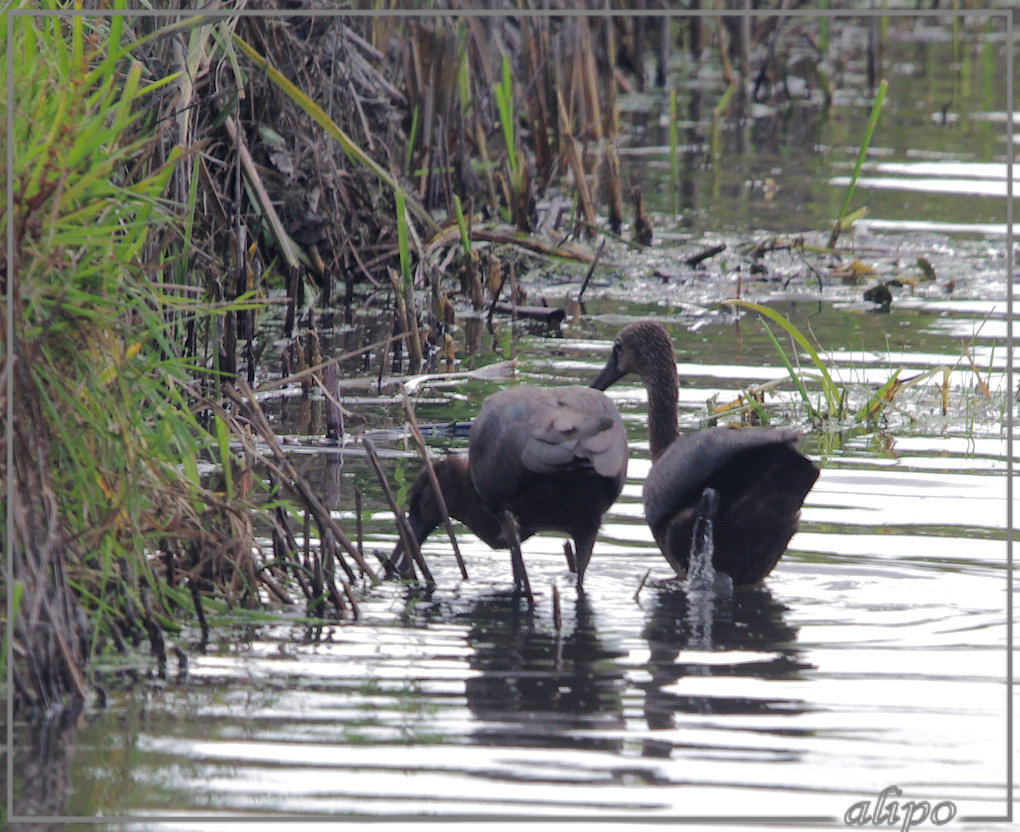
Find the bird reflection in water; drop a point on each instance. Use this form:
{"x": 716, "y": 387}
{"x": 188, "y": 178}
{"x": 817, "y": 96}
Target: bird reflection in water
{"x": 539, "y": 686}
{"x": 747, "y": 622}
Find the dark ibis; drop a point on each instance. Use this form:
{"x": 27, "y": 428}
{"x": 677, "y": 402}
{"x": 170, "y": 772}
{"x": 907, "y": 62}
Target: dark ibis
{"x": 539, "y": 459}
{"x": 759, "y": 477}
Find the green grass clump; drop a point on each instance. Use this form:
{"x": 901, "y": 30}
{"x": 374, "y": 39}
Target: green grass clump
{"x": 831, "y": 392}
{"x": 833, "y": 405}
{"x": 104, "y": 420}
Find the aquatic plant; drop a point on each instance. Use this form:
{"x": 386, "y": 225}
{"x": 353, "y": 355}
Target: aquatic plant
{"x": 829, "y": 389}
{"x": 106, "y": 441}
{"x": 845, "y": 218}
{"x": 135, "y": 487}
{"x": 836, "y": 396}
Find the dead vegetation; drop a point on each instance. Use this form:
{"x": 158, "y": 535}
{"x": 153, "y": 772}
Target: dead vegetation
{"x": 324, "y": 155}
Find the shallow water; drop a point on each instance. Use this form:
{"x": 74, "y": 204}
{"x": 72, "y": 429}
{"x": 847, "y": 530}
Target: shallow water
{"x": 873, "y": 656}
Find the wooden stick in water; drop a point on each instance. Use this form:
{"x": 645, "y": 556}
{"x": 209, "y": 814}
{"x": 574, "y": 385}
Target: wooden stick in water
{"x": 420, "y": 442}
{"x": 410, "y": 544}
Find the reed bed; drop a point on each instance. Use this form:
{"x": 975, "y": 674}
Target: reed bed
{"x": 187, "y": 167}
{"x": 179, "y": 178}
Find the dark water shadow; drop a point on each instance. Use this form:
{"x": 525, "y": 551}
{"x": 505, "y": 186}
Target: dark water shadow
{"x": 42, "y": 762}
{"x": 686, "y": 638}
{"x": 539, "y": 686}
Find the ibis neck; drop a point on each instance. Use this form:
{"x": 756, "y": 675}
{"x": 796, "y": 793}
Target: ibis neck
{"x": 464, "y": 504}
{"x": 660, "y": 382}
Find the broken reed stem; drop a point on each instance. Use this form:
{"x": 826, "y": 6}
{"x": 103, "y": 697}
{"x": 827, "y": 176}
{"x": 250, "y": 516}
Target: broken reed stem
{"x": 495, "y": 299}
{"x": 244, "y": 397}
{"x": 330, "y": 385}
{"x": 403, "y": 527}
{"x": 400, "y": 303}
{"x": 575, "y": 164}
{"x": 568, "y": 553}
{"x": 512, "y": 272}
{"x": 614, "y": 190}
{"x": 977, "y": 373}
{"x": 536, "y": 61}
{"x": 357, "y": 520}
{"x": 420, "y": 442}
{"x": 641, "y": 586}
{"x": 705, "y": 254}
{"x": 414, "y": 353}
{"x": 589, "y": 80}
{"x": 591, "y": 270}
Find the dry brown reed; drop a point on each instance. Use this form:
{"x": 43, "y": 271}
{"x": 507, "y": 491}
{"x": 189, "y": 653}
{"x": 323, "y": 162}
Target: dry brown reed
{"x": 264, "y": 196}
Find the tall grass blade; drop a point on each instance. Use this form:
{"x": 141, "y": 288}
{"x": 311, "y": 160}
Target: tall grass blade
{"x": 797, "y": 381}
{"x": 402, "y": 246}
{"x": 875, "y": 404}
{"x": 717, "y": 114}
{"x": 869, "y": 130}
{"x": 504, "y": 95}
{"x": 465, "y": 240}
{"x": 829, "y": 389}
{"x": 412, "y": 136}
{"x": 223, "y": 444}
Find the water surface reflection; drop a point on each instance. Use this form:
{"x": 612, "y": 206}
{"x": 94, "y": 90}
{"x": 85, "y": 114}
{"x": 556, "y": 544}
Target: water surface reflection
{"x": 874, "y": 655}
{"x": 537, "y": 685}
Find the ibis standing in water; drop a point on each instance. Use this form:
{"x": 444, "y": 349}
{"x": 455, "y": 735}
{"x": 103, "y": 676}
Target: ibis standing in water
{"x": 539, "y": 459}
{"x": 759, "y": 477}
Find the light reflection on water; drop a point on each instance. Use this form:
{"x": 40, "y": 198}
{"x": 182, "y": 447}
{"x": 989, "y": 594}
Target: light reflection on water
{"x": 932, "y": 185}
{"x": 944, "y": 177}
{"x": 830, "y": 683}
{"x": 873, "y": 656}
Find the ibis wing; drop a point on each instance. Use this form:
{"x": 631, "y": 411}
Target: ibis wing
{"x": 525, "y": 431}
{"x": 678, "y": 478}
